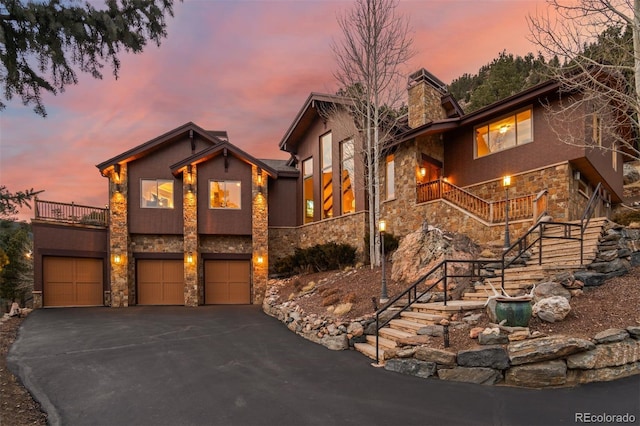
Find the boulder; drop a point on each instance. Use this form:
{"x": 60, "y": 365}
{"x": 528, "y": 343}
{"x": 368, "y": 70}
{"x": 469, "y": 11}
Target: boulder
{"x": 552, "y": 309}
{"x": 477, "y": 375}
{"x": 432, "y": 330}
{"x": 355, "y": 329}
{"x": 492, "y": 339}
{"x": 549, "y": 289}
{"x": 439, "y": 356}
{"x": 590, "y": 278}
{"x": 411, "y": 366}
{"x": 606, "y": 374}
{"x": 546, "y": 348}
{"x": 492, "y": 356}
{"x": 634, "y": 331}
{"x": 538, "y": 375}
{"x": 611, "y": 335}
{"x": 606, "y": 355}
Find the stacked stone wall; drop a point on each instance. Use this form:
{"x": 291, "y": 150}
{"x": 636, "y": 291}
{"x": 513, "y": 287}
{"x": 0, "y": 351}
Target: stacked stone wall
{"x": 425, "y": 104}
{"x": 121, "y": 274}
{"x": 234, "y": 244}
{"x": 282, "y": 242}
{"x": 260, "y": 236}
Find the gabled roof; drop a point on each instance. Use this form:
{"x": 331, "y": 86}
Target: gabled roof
{"x": 212, "y": 137}
{"x": 223, "y": 148}
{"x": 309, "y": 111}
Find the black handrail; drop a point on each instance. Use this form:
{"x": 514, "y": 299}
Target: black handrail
{"x": 412, "y": 291}
{"x": 522, "y": 246}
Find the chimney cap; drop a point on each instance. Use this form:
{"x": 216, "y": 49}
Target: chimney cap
{"x": 422, "y": 75}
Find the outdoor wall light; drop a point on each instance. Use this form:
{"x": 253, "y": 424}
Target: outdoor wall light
{"x": 190, "y": 257}
{"x": 423, "y": 171}
{"x": 116, "y": 176}
{"x": 117, "y": 259}
{"x": 260, "y": 260}
{"x": 189, "y": 177}
{"x": 259, "y": 180}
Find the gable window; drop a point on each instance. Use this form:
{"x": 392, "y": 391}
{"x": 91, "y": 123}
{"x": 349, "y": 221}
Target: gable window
{"x": 614, "y": 156}
{"x": 327, "y": 176}
{"x": 224, "y": 194}
{"x": 156, "y": 193}
{"x": 347, "y": 175}
{"x": 507, "y": 132}
{"x": 307, "y": 189}
{"x": 390, "y": 178}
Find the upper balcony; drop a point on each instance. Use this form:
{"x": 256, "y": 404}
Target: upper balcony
{"x": 71, "y": 214}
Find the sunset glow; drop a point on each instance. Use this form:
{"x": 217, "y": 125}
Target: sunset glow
{"x": 241, "y": 66}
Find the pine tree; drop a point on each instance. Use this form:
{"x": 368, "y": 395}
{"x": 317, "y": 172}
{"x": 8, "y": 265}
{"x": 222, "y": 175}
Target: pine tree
{"x": 44, "y": 44}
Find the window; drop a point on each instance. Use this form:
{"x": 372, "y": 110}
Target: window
{"x": 504, "y": 133}
{"x": 347, "y": 175}
{"x": 597, "y": 130}
{"x": 614, "y": 156}
{"x": 327, "y": 176}
{"x": 224, "y": 194}
{"x": 307, "y": 189}
{"x": 156, "y": 193}
{"x": 390, "y": 170}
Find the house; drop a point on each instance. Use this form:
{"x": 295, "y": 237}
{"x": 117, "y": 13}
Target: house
{"x": 194, "y": 220}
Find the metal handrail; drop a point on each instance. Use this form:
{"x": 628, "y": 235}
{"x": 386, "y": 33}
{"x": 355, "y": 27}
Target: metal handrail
{"x": 71, "y": 213}
{"x": 412, "y": 291}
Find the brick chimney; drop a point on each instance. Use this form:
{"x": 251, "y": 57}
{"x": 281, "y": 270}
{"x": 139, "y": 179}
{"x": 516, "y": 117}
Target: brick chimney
{"x": 425, "y": 98}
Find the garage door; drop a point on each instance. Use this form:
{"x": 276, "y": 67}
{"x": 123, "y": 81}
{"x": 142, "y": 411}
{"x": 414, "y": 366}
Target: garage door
{"x": 227, "y": 282}
{"x": 160, "y": 282}
{"x": 71, "y": 281}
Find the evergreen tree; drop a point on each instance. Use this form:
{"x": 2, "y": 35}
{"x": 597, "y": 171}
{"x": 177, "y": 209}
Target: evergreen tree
{"x": 43, "y": 44}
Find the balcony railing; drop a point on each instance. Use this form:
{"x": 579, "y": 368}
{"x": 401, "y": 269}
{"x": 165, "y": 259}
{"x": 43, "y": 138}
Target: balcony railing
{"x": 524, "y": 207}
{"x": 50, "y": 211}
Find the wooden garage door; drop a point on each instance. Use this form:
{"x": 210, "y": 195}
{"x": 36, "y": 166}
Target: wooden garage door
{"x": 72, "y": 281}
{"x": 160, "y": 282}
{"x": 227, "y": 282}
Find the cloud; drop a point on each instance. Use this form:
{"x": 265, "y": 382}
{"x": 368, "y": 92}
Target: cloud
{"x": 241, "y": 66}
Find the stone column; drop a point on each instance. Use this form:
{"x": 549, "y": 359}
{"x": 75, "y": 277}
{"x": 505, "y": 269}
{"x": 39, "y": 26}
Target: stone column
{"x": 191, "y": 257}
{"x": 260, "y": 234}
{"x": 119, "y": 240}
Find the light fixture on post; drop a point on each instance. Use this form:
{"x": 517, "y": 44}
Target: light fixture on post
{"x": 384, "y": 298}
{"x": 116, "y": 176}
{"x": 506, "y": 182}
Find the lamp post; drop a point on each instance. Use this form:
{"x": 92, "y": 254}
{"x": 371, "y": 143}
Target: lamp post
{"x": 382, "y": 226}
{"x": 506, "y": 181}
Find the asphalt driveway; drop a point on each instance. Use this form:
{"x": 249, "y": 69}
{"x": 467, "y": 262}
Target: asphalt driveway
{"x": 236, "y": 366}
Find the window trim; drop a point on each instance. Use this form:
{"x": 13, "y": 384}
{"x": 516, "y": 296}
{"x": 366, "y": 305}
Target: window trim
{"x": 158, "y": 182}
{"x": 488, "y": 124}
{"x": 389, "y": 159}
{"x": 226, "y": 181}
{"x": 343, "y": 160}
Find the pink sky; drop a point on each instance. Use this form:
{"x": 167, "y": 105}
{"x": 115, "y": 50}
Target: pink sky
{"x": 241, "y": 66}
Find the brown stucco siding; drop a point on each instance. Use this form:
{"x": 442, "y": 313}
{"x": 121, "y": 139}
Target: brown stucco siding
{"x": 224, "y": 221}
{"x": 283, "y": 197}
{"x": 156, "y": 166}
{"x": 462, "y": 169}
{"x": 68, "y": 241}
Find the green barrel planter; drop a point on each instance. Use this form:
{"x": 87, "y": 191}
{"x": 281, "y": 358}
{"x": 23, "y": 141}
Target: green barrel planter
{"x": 516, "y": 312}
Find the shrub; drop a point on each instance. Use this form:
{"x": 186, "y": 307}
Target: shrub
{"x": 330, "y": 300}
{"x": 391, "y": 243}
{"x": 321, "y": 257}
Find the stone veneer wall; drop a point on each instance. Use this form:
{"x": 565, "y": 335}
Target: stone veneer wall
{"x": 260, "y": 235}
{"x": 190, "y": 240}
{"x": 425, "y": 104}
{"x": 122, "y": 291}
{"x": 405, "y": 216}
{"x": 346, "y": 229}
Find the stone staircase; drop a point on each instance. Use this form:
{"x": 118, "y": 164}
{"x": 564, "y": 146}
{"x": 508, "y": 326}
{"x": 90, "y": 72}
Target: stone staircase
{"x": 558, "y": 255}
